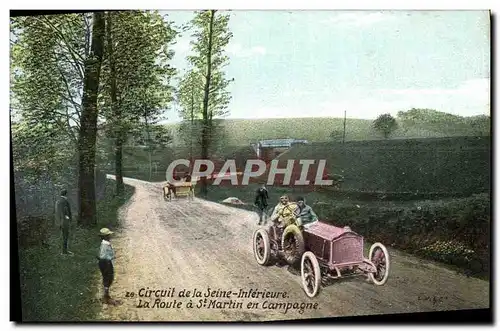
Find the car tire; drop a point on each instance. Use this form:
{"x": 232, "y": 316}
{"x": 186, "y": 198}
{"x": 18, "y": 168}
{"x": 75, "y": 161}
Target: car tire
{"x": 292, "y": 257}
{"x": 261, "y": 247}
{"x": 309, "y": 264}
{"x": 384, "y": 263}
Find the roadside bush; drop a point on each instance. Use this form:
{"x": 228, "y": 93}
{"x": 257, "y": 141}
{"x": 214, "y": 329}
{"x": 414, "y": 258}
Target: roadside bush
{"x": 32, "y": 230}
{"x": 453, "y": 231}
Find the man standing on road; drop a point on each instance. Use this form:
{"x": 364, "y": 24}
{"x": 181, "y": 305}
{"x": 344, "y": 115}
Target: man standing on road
{"x": 63, "y": 219}
{"x": 261, "y": 198}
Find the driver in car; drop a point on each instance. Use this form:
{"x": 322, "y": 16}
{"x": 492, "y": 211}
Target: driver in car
{"x": 285, "y": 212}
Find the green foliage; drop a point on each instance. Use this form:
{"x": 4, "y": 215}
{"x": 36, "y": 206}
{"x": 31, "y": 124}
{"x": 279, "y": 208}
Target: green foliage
{"x": 336, "y": 135}
{"x": 189, "y": 135}
{"x": 245, "y": 131}
{"x": 40, "y": 148}
{"x": 450, "y": 125}
{"x": 444, "y": 165}
{"x": 449, "y": 251}
{"x": 141, "y": 51}
{"x": 158, "y": 137}
{"x": 400, "y": 168}
{"x": 385, "y": 124}
{"x": 50, "y": 57}
{"x": 454, "y": 231}
{"x": 190, "y": 95}
{"x": 47, "y": 59}
{"x": 55, "y": 288}
{"x": 480, "y": 125}
{"x": 211, "y": 36}
{"x": 190, "y": 98}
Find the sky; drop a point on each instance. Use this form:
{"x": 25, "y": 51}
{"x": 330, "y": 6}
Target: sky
{"x": 367, "y": 63}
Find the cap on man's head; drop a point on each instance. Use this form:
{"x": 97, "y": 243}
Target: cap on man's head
{"x": 105, "y": 232}
{"x": 301, "y": 199}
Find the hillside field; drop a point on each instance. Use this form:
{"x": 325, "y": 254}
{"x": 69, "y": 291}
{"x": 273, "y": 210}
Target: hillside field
{"x": 316, "y": 129}
{"x": 429, "y": 152}
{"x": 454, "y": 166}
{"x": 459, "y": 165}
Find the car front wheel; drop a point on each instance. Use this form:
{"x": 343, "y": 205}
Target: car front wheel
{"x": 311, "y": 274}
{"x": 379, "y": 256}
{"x": 292, "y": 243}
{"x": 261, "y": 247}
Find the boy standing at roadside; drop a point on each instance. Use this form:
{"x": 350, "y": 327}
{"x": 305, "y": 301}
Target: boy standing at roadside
{"x": 106, "y": 257}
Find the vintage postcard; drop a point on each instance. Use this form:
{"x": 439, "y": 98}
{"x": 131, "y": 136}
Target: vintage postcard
{"x": 250, "y": 165}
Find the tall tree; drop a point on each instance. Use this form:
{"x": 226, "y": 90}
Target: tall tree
{"x": 137, "y": 76}
{"x": 48, "y": 53}
{"x": 154, "y": 135}
{"x": 190, "y": 98}
{"x": 88, "y": 126}
{"x": 115, "y": 110}
{"x": 211, "y": 36}
{"x": 385, "y": 124}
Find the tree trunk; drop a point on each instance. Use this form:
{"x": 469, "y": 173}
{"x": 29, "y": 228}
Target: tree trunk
{"x": 210, "y": 129}
{"x": 192, "y": 122}
{"x": 119, "y": 165}
{"x": 205, "y": 139}
{"x": 116, "y": 111}
{"x": 88, "y": 126}
{"x": 150, "y": 165}
{"x": 148, "y": 144}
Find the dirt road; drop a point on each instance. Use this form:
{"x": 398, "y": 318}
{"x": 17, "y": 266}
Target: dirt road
{"x": 198, "y": 245}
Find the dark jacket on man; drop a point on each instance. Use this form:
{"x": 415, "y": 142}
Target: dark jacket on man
{"x": 261, "y": 198}
{"x": 63, "y": 219}
{"x": 63, "y": 212}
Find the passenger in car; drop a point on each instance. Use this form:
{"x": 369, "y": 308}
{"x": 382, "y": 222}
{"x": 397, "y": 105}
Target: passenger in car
{"x": 306, "y": 213}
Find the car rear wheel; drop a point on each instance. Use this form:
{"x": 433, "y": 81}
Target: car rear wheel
{"x": 261, "y": 247}
{"x": 311, "y": 274}
{"x": 292, "y": 243}
{"x": 379, "y": 256}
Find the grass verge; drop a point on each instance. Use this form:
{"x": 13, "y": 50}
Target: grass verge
{"x": 63, "y": 288}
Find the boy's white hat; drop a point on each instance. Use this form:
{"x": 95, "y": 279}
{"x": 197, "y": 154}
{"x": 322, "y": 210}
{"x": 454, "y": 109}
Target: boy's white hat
{"x": 105, "y": 232}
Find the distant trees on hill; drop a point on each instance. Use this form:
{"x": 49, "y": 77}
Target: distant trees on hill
{"x": 385, "y": 124}
{"x": 444, "y": 123}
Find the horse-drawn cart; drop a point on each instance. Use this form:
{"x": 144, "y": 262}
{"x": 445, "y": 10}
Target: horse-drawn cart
{"x": 178, "y": 189}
